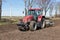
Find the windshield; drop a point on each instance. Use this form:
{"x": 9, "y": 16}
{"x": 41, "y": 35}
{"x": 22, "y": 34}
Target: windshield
{"x": 35, "y": 12}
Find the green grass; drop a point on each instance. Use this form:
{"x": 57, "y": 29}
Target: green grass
{"x": 3, "y": 23}
{"x": 13, "y": 20}
{"x": 6, "y": 23}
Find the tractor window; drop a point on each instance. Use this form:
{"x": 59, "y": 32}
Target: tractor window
{"x": 35, "y": 12}
{"x": 39, "y": 12}
{"x": 31, "y": 12}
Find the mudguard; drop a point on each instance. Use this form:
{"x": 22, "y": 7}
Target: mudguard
{"x": 39, "y": 18}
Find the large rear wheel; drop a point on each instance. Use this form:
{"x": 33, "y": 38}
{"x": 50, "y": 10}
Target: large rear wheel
{"x": 33, "y": 26}
{"x": 43, "y": 23}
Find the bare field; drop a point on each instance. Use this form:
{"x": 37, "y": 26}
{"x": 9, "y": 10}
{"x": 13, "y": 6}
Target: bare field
{"x": 10, "y": 32}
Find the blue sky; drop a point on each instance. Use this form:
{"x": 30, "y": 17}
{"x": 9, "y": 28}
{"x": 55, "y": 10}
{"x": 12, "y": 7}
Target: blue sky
{"x": 17, "y": 7}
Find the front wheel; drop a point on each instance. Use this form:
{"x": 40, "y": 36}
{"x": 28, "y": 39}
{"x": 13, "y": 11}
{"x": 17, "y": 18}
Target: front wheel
{"x": 33, "y": 26}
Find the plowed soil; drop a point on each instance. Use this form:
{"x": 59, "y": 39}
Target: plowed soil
{"x": 11, "y": 32}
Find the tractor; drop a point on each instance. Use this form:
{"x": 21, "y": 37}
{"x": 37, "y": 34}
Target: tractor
{"x": 33, "y": 20}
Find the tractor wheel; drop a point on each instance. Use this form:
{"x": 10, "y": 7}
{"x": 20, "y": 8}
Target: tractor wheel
{"x": 43, "y": 23}
{"x": 33, "y": 26}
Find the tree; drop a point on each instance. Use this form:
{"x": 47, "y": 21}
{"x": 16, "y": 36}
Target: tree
{"x": 51, "y": 9}
{"x": 57, "y": 9}
{"x": 28, "y": 4}
{"x": 0, "y": 8}
{"x": 43, "y": 4}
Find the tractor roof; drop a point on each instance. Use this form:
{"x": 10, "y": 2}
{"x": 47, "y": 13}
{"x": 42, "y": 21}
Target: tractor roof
{"x": 35, "y": 8}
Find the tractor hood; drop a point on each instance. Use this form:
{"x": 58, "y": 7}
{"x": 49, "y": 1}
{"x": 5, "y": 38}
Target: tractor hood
{"x": 39, "y": 18}
{"x": 27, "y": 18}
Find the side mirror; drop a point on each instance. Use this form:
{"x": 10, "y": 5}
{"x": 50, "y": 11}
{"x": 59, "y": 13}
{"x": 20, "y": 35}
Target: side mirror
{"x": 23, "y": 12}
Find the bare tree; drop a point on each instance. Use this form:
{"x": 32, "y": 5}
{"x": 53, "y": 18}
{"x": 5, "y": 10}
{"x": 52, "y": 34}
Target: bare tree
{"x": 25, "y": 1}
{"x": 43, "y": 4}
{"x": 0, "y": 8}
{"x": 51, "y": 9}
{"x": 28, "y": 4}
{"x": 57, "y": 9}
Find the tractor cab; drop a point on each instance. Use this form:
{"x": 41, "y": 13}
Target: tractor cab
{"x": 35, "y": 12}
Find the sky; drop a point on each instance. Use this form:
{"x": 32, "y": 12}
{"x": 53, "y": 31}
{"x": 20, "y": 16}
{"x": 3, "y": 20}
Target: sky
{"x": 13, "y": 7}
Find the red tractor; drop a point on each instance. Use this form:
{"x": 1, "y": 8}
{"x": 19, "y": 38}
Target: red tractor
{"x": 33, "y": 20}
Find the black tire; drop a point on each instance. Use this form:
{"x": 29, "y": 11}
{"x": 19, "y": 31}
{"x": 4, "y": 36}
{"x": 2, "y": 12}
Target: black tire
{"x": 43, "y": 23}
{"x": 33, "y": 26}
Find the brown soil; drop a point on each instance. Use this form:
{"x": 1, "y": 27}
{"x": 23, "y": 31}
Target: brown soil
{"x": 11, "y": 32}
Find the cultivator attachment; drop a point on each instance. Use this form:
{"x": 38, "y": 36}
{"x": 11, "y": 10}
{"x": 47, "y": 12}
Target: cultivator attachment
{"x": 22, "y": 27}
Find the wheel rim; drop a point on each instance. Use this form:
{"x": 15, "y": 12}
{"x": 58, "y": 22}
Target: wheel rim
{"x": 43, "y": 25}
{"x": 35, "y": 27}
